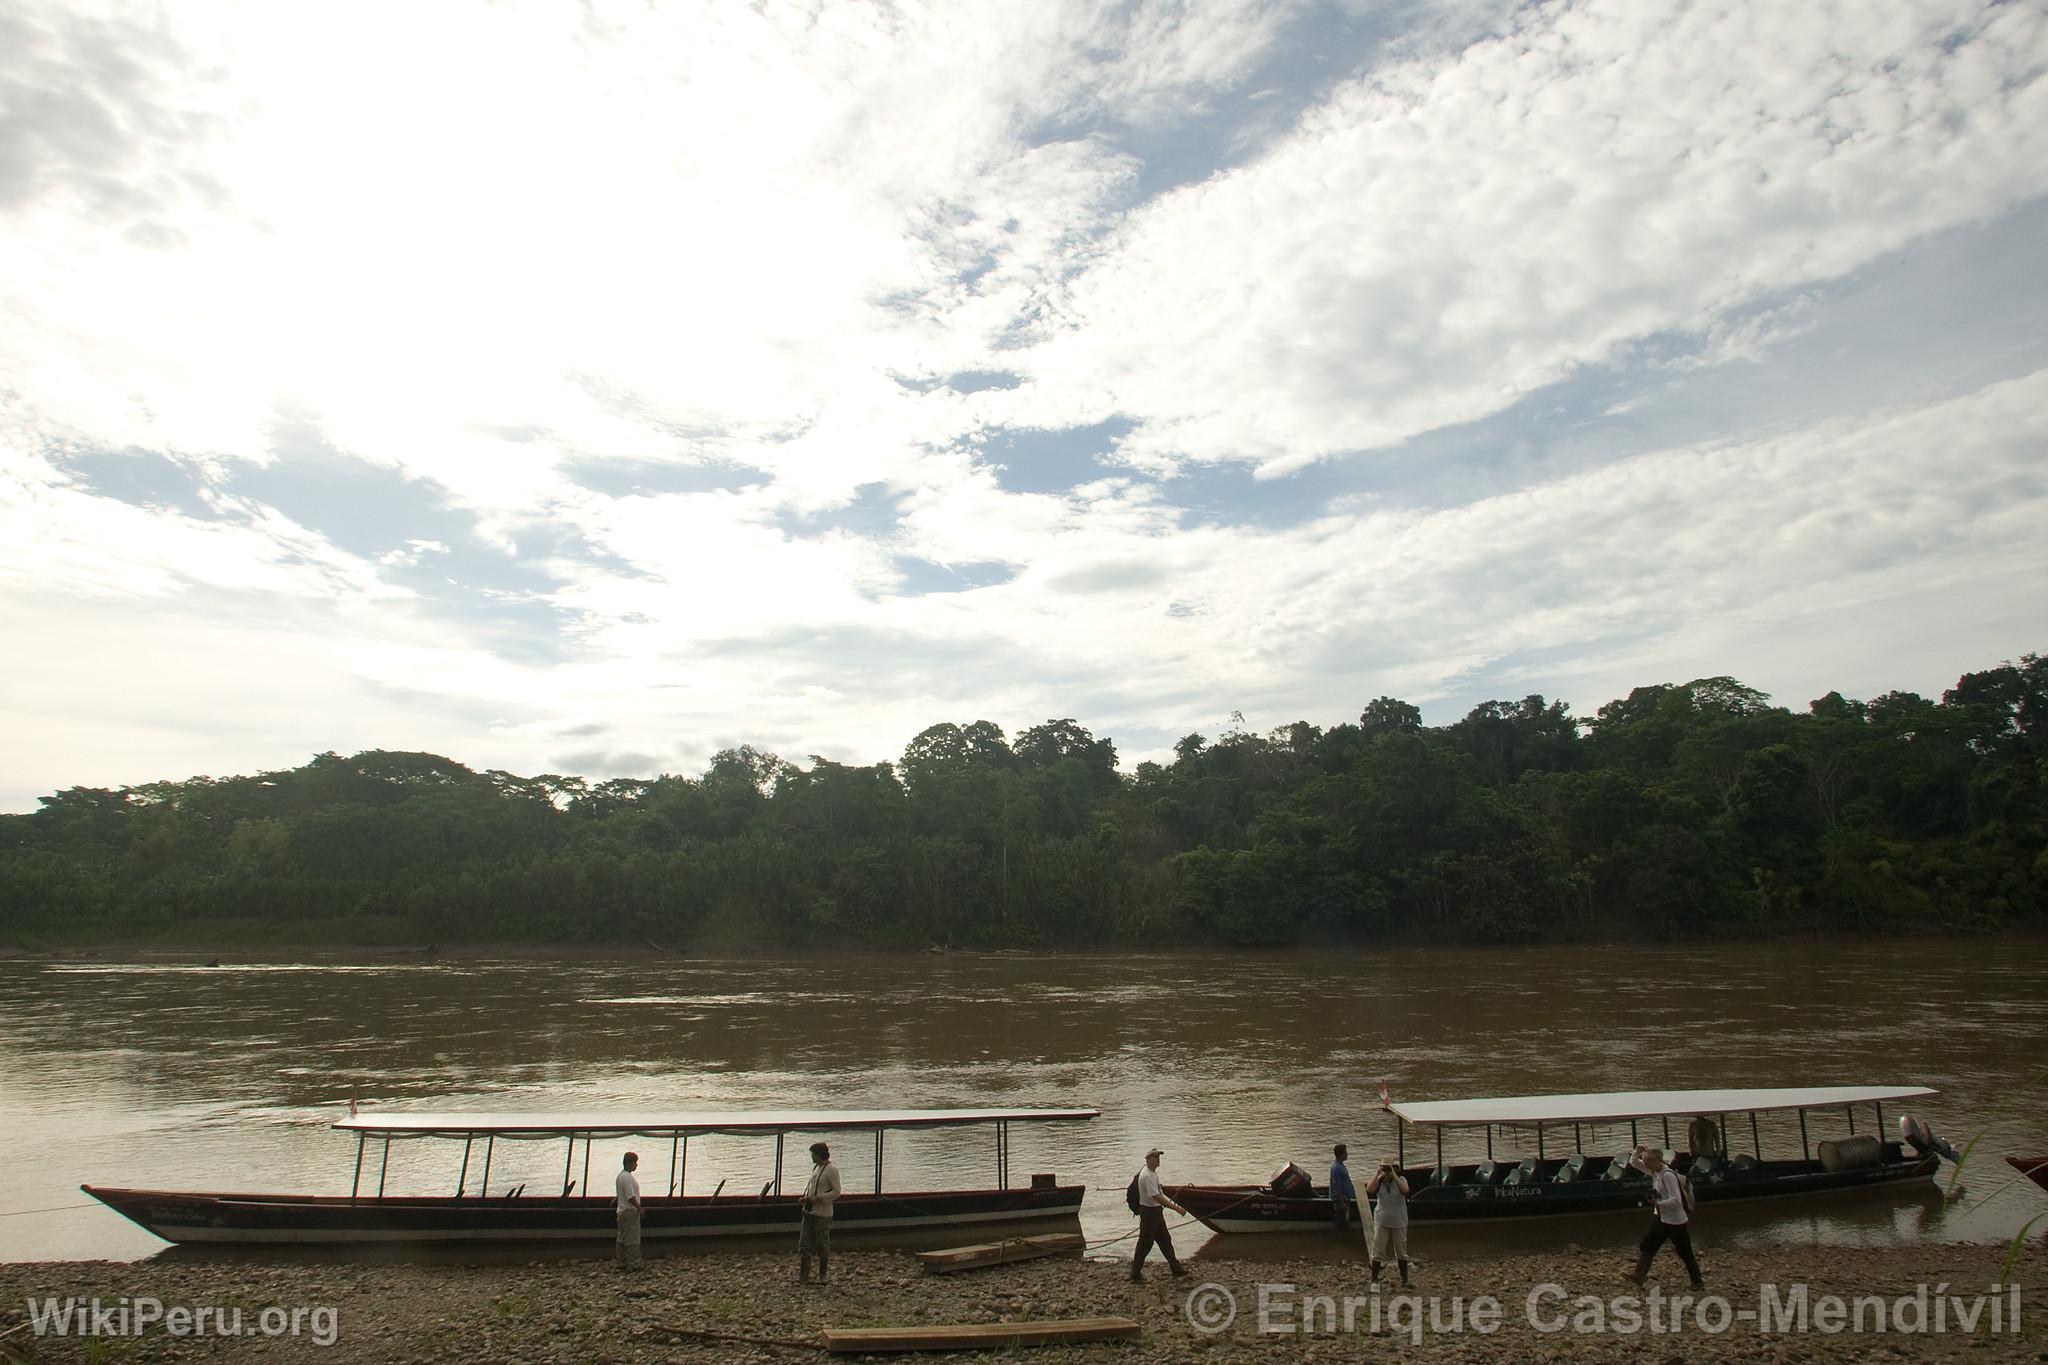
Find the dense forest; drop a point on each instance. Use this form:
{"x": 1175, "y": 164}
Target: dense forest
{"x": 1687, "y": 810}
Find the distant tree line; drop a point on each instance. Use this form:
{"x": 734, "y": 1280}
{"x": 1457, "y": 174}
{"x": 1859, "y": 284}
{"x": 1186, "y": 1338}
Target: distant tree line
{"x": 1678, "y": 811}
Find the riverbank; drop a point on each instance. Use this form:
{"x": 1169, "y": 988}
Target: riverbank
{"x": 1546, "y": 1308}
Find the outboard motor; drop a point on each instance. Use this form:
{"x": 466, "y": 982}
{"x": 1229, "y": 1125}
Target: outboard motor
{"x": 1923, "y": 1140}
{"x": 1292, "y": 1182}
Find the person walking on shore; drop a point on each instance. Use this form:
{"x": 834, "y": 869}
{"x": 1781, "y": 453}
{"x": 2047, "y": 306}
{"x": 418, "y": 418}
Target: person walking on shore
{"x": 815, "y": 1237}
{"x": 1388, "y": 1189}
{"x": 1342, "y": 1193}
{"x": 1152, "y": 1205}
{"x": 1670, "y": 1222}
{"x": 626, "y": 1206}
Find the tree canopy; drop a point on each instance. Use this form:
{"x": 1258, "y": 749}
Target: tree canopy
{"x": 1679, "y": 810}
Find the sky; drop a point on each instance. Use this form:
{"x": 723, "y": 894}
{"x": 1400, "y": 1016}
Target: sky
{"x": 589, "y": 389}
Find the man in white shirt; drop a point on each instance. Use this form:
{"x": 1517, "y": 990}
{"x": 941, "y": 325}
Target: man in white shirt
{"x": 626, "y": 1205}
{"x": 1669, "y": 1224}
{"x": 1152, "y": 1205}
{"x": 820, "y": 1192}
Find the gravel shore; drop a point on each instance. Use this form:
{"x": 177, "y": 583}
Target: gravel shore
{"x": 583, "y": 1311}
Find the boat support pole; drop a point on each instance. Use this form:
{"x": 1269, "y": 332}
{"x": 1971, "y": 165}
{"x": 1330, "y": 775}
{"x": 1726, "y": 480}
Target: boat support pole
{"x": 1439, "y": 1147}
{"x": 1489, "y": 1142}
{"x": 1401, "y": 1143}
{"x": 674, "y": 1143}
{"x": 462, "y": 1181}
{"x": 1539, "y": 1142}
{"x": 586, "y": 1161}
{"x": 1850, "y": 1110}
{"x": 778, "y": 1161}
{"x": 1880, "y": 1128}
{"x": 356, "y": 1186}
{"x": 385, "y": 1170}
{"x": 1002, "y": 1156}
{"x": 1633, "y": 1141}
{"x": 490, "y": 1146}
{"x": 568, "y": 1158}
{"x": 878, "y": 1161}
{"x": 1578, "y": 1140}
{"x": 683, "y": 1171}
{"x": 1667, "y": 1130}
{"x": 1805, "y": 1147}
{"x": 1756, "y": 1139}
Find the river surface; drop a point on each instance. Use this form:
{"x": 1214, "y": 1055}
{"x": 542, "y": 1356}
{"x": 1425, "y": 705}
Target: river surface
{"x": 169, "y": 1074}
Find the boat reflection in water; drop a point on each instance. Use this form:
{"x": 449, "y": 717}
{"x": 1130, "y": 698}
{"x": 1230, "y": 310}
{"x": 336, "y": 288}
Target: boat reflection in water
{"x": 1890, "y": 1216}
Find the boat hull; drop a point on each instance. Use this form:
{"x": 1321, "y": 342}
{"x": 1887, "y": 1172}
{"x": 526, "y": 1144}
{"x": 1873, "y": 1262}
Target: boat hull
{"x": 313, "y": 1220}
{"x": 1252, "y": 1208}
{"x": 2034, "y": 1168}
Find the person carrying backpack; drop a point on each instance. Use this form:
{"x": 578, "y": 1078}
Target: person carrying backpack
{"x": 1150, "y": 1203}
{"x": 1672, "y": 1195}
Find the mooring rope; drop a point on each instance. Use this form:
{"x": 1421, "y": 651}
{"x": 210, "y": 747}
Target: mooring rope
{"x": 1189, "y": 1220}
{"x": 706, "y": 1334}
{"x": 55, "y": 1208}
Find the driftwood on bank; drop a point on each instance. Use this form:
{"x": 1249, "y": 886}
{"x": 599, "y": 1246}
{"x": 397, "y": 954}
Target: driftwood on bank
{"x": 1009, "y": 1250}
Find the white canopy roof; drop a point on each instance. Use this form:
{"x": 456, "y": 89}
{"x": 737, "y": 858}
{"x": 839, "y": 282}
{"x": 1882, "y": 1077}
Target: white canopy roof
{"x": 1647, "y": 1104}
{"x": 398, "y": 1123}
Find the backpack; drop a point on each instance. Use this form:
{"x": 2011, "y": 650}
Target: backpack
{"x": 1685, "y": 1189}
{"x": 1131, "y": 1195}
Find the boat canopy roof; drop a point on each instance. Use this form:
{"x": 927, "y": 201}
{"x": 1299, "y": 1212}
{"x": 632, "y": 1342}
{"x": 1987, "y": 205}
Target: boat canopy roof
{"x": 1646, "y": 1104}
{"x": 400, "y": 1124}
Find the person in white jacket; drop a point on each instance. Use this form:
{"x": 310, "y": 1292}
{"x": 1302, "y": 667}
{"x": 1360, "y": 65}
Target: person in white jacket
{"x": 1670, "y": 1222}
{"x": 820, "y": 1192}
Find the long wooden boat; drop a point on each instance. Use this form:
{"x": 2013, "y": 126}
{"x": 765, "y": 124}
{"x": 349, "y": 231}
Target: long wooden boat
{"x": 2034, "y": 1168}
{"x": 485, "y": 1214}
{"x": 1560, "y": 1176}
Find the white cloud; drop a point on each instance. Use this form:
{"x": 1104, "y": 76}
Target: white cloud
{"x": 764, "y": 236}
{"x": 61, "y": 537}
{"x": 1443, "y": 237}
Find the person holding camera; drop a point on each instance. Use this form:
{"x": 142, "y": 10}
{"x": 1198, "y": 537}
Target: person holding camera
{"x": 1388, "y": 1189}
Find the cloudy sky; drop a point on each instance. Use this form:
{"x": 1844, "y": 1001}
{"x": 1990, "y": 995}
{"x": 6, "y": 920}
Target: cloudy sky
{"x": 587, "y": 390}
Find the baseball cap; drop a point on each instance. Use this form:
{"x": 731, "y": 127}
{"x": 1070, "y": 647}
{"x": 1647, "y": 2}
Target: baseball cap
{"x": 1155, "y": 1151}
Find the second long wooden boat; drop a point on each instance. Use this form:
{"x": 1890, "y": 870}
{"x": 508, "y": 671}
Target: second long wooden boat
{"x": 1561, "y": 1177}
{"x": 2034, "y": 1168}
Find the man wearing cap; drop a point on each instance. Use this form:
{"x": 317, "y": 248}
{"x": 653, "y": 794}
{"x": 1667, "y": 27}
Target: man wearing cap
{"x": 816, "y": 1234}
{"x": 1152, "y": 1218}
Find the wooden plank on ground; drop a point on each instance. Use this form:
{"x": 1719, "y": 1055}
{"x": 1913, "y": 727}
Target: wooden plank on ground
{"x": 1001, "y": 1253}
{"x": 977, "y": 1336}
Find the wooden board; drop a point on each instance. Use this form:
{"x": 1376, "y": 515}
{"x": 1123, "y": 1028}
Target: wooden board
{"x": 1001, "y": 1253}
{"x": 977, "y": 1336}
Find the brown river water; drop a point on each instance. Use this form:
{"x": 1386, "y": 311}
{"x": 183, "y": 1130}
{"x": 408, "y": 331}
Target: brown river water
{"x": 165, "y": 1073}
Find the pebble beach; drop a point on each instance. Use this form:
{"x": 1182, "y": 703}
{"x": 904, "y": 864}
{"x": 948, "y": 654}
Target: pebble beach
{"x": 747, "y": 1306}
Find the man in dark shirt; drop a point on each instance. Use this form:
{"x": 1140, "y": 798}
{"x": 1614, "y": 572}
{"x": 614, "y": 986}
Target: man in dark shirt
{"x": 1342, "y": 1194}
